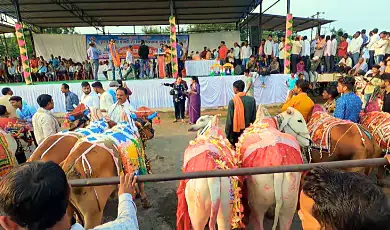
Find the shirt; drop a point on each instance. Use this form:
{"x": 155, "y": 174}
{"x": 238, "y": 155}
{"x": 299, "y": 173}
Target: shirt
{"x": 342, "y": 49}
{"x": 115, "y": 110}
{"x": 380, "y": 47}
{"x": 276, "y": 49}
{"x": 127, "y": 215}
{"x": 347, "y": 62}
{"x": 363, "y": 67}
{"x": 375, "y": 81}
{"x": 328, "y": 49}
{"x": 45, "y": 125}
{"x": 373, "y": 39}
{"x": 249, "y": 81}
{"x": 302, "y": 103}
{"x": 237, "y": 52}
{"x": 305, "y": 48}
{"x": 365, "y": 39}
{"x": 90, "y": 100}
{"x": 26, "y": 113}
{"x": 348, "y": 107}
{"x": 179, "y": 52}
{"x": 281, "y": 50}
{"x": 4, "y": 100}
{"x": 93, "y": 53}
{"x": 334, "y": 47}
{"x": 246, "y": 52}
{"x": 296, "y": 48}
{"x": 291, "y": 82}
{"x": 355, "y": 45}
{"x": 129, "y": 57}
{"x": 54, "y": 62}
{"x": 42, "y": 69}
{"x": 386, "y": 102}
{"x": 268, "y": 47}
{"x": 106, "y": 101}
{"x": 70, "y": 100}
{"x": 222, "y": 52}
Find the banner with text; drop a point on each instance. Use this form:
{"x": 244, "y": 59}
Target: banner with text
{"x": 124, "y": 41}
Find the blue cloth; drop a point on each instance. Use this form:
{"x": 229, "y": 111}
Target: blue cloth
{"x": 70, "y": 100}
{"x": 113, "y": 94}
{"x": 54, "y": 62}
{"x": 43, "y": 69}
{"x": 93, "y": 53}
{"x": 291, "y": 83}
{"x": 348, "y": 107}
{"x": 26, "y": 113}
{"x": 276, "y": 49}
{"x": 179, "y": 52}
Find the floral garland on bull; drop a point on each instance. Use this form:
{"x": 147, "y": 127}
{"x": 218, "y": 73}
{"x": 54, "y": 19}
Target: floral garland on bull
{"x": 7, "y": 160}
{"x": 225, "y": 160}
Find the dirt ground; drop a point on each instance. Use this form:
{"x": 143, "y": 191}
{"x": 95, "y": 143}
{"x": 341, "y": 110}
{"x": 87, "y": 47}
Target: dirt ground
{"x": 166, "y": 153}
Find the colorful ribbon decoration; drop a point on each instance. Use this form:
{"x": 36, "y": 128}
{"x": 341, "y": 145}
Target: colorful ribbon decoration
{"x": 175, "y": 66}
{"x": 288, "y": 44}
{"x": 23, "y": 53}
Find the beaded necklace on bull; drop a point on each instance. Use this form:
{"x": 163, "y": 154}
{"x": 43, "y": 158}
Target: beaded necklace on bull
{"x": 226, "y": 162}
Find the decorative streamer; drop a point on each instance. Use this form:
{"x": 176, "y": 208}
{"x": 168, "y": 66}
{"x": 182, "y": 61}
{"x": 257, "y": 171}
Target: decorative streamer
{"x": 23, "y": 53}
{"x": 288, "y": 44}
{"x": 175, "y": 66}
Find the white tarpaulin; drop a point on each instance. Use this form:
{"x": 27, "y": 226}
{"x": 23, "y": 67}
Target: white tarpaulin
{"x": 65, "y": 45}
{"x": 212, "y": 40}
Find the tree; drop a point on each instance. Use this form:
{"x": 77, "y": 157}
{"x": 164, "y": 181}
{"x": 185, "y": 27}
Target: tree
{"x": 199, "y": 28}
{"x": 338, "y": 32}
{"x": 155, "y": 30}
{"x": 59, "y": 30}
{"x": 9, "y": 45}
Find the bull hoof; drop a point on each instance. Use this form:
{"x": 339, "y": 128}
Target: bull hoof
{"x": 145, "y": 203}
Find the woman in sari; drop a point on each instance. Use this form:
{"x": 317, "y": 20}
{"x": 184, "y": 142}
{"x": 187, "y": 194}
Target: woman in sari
{"x": 194, "y": 106}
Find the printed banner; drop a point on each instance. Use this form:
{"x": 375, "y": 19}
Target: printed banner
{"x": 288, "y": 46}
{"x": 23, "y": 53}
{"x": 175, "y": 66}
{"x": 124, "y": 41}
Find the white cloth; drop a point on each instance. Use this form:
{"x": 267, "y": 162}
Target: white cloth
{"x": 44, "y": 124}
{"x": 215, "y": 91}
{"x": 380, "y": 47}
{"x": 347, "y": 62}
{"x": 129, "y": 57}
{"x": 268, "y": 47}
{"x": 355, "y": 45}
{"x": 373, "y": 39}
{"x": 106, "y": 101}
{"x": 237, "y": 52}
{"x": 90, "y": 100}
{"x": 115, "y": 110}
{"x": 328, "y": 48}
{"x": 281, "y": 50}
{"x": 305, "y": 48}
{"x": 246, "y": 52}
{"x": 296, "y": 47}
{"x": 199, "y": 68}
{"x": 334, "y": 47}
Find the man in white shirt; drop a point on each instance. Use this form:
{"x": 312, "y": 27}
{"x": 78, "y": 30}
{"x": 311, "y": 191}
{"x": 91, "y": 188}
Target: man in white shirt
{"x": 106, "y": 100}
{"x": 333, "y": 53}
{"x": 327, "y": 53}
{"x": 380, "y": 47}
{"x": 268, "y": 49}
{"x": 305, "y": 52}
{"x": 373, "y": 39}
{"x": 116, "y": 109}
{"x": 130, "y": 62}
{"x": 246, "y": 53}
{"x": 236, "y": 53}
{"x": 295, "y": 51}
{"x": 89, "y": 99}
{"x": 43, "y": 121}
{"x": 345, "y": 64}
{"x": 354, "y": 47}
{"x": 281, "y": 54}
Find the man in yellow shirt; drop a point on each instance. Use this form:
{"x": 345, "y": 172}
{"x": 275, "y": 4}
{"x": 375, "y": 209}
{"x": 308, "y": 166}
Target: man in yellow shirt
{"x": 300, "y": 101}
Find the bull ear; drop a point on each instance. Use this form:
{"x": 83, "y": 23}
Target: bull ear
{"x": 290, "y": 111}
{"x": 259, "y": 114}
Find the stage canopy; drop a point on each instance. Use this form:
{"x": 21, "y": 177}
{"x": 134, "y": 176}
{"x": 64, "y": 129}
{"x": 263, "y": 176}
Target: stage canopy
{"x": 4, "y": 28}
{"x": 278, "y": 22}
{"x": 85, "y": 13}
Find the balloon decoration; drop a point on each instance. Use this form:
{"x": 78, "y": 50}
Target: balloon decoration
{"x": 288, "y": 46}
{"x": 215, "y": 69}
{"x": 175, "y": 66}
{"x": 228, "y": 69}
{"x": 23, "y": 53}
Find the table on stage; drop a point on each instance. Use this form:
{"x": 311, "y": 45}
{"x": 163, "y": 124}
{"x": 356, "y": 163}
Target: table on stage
{"x": 199, "y": 68}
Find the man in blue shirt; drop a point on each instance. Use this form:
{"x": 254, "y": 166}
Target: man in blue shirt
{"x": 24, "y": 112}
{"x": 180, "y": 54}
{"x": 71, "y": 99}
{"x": 349, "y": 105}
{"x": 93, "y": 55}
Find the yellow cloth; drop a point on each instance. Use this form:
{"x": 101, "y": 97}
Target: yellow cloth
{"x": 302, "y": 103}
{"x": 239, "y": 113}
{"x": 375, "y": 81}
{"x": 167, "y": 57}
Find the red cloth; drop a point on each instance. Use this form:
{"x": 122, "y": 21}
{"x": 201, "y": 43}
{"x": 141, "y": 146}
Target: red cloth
{"x": 34, "y": 63}
{"x": 342, "y": 50}
{"x": 201, "y": 162}
{"x": 223, "y": 52}
{"x": 4, "y": 122}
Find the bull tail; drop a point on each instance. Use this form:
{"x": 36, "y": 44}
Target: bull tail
{"x": 215, "y": 194}
{"x": 278, "y": 186}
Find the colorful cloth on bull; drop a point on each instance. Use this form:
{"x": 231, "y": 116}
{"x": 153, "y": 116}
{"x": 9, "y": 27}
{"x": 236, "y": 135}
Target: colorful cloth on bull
{"x": 95, "y": 127}
{"x": 378, "y": 124}
{"x": 209, "y": 153}
{"x": 7, "y": 160}
{"x": 320, "y": 127}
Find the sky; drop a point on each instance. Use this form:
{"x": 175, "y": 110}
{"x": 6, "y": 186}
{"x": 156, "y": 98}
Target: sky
{"x": 351, "y": 15}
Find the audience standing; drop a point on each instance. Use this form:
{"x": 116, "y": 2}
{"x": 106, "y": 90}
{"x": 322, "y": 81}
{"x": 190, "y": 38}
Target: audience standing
{"x": 93, "y": 54}
{"x": 89, "y": 99}
{"x": 71, "y": 99}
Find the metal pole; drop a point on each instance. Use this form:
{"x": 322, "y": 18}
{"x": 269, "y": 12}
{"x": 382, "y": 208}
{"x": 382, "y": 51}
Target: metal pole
{"x": 32, "y": 42}
{"x": 232, "y": 172}
{"x": 17, "y": 9}
{"x": 261, "y": 22}
{"x": 171, "y": 6}
{"x": 318, "y": 24}
{"x": 134, "y": 29}
{"x": 288, "y": 6}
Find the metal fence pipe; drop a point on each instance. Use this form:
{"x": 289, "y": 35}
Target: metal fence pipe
{"x": 232, "y": 172}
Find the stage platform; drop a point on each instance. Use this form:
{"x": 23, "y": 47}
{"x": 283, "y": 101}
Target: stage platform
{"x": 215, "y": 91}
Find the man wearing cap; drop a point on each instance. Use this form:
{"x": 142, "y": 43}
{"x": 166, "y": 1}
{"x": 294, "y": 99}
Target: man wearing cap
{"x": 93, "y": 55}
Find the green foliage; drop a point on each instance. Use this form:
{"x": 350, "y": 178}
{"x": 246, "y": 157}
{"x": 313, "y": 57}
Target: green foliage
{"x": 11, "y": 44}
{"x": 196, "y": 28}
{"x": 60, "y": 30}
{"x": 155, "y": 30}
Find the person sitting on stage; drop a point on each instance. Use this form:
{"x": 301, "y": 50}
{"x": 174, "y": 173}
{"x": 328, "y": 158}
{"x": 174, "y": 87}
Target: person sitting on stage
{"x": 331, "y": 199}
{"x": 301, "y": 101}
{"x": 122, "y": 104}
{"x": 241, "y": 113}
{"x": 36, "y": 196}
{"x": 348, "y": 106}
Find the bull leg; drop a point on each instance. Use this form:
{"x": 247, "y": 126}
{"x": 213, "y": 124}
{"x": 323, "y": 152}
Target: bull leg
{"x": 224, "y": 213}
{"x": 144, "y": 197}
{"x": 199, "y": 202}
{"x": 261, "y": 196}
{"x": 290, "y": 192}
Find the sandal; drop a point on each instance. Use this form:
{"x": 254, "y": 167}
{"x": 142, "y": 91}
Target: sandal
{"x": 145, "y": 203}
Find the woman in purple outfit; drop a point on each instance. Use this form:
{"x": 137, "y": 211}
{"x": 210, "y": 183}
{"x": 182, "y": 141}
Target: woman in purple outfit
{"x": 194, "y": 95}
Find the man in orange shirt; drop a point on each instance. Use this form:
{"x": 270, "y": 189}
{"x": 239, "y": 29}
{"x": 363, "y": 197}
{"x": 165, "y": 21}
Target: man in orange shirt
{"x": 300, "y": 101}
{"x": 223, "y": 53}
